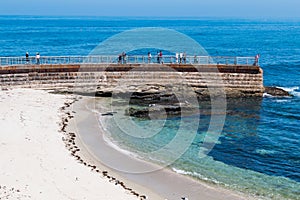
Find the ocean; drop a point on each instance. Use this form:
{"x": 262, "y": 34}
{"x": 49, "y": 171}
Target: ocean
{"x": 258, "y": 151}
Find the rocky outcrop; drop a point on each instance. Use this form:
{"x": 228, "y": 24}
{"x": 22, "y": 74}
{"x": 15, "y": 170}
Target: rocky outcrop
{"x": 154, "y": 111}
{"x": 277, "y": 92}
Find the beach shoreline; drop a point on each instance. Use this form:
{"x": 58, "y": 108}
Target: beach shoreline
{"x": 159, "y": 184}
{"x": 35, "y": 163}
{"x": 48, "y": 129}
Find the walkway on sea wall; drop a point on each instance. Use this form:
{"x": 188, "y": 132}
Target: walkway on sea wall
{"x": 104, "y": 59}
{"x": 237, "y": 79}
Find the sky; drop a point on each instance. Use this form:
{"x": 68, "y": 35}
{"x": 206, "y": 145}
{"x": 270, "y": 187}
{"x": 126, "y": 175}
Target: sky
{"x": 155, "y": 8}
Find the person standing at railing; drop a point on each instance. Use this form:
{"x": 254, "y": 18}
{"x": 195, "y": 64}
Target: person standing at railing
{"x": 27, "y": 58}
{"x": 256, "y": 59}
{"x": 120, "y": 59}
{"x": 195, "y": 59}
{"x": 180, "y": 57}
{"x": 149, "y": 57}
{"x": 124, "y": 57}
{"x": 184, "y": 58}
{"x": 160, "y": 57}
{"x": 176, "y": 58}
{"x": 37, "y": 57}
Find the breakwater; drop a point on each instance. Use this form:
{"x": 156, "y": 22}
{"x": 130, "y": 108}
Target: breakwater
{"x": 236, "y": 80}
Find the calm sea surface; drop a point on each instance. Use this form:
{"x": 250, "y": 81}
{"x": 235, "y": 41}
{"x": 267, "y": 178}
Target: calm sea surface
{"x": 259, "y": 148}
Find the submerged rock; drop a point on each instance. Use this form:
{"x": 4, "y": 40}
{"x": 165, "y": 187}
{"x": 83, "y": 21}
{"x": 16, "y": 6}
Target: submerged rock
{"x": 161, "y": 111}
{"x": 277, "y": 92}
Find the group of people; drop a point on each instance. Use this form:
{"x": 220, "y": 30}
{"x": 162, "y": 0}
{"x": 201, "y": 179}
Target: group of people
{"x": 37, "y": 58}
{"x": 180, "y": 57}
{"x": 159, "y": 57}
{"x": 122, "y": 58}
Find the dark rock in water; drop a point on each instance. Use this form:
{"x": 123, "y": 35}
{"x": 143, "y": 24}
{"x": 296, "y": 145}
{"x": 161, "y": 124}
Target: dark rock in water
{"x": 135, "y": 112}
{"x": 103, "y": 94}
{"x": 161, "y": 111}
{"x": 141, "y": 98}
{"x": 277, "y": 92}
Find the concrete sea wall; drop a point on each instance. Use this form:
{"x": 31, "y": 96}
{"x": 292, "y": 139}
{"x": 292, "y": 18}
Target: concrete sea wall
{"x": 236, "y": 80}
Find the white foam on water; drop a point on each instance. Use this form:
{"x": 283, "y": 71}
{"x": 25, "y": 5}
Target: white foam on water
{"x": 194, "y": 174}
{"x": 295, "y": 91}
{"x": 264, "y": 151}
{"x": 119, "y": 149}
{"x": 296, "y": 94}
{"x": 289, "y": 89}
{"x": 282, "y": 100}
{"x": 267, "y": 95}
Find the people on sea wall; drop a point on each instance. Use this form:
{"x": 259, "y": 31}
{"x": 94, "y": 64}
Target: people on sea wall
{"x": 180, "y": 57}
{"x": 184, "y": 57}
{"x": 195, "y": 59}
{"x": 37, "y": 57}
{"x": 149, "y": 57}
{"x": 27, "y": 57}
{"x": 256, "y": 61}
{"x": 122, "y": 58}
{"x": 159, "y": 57}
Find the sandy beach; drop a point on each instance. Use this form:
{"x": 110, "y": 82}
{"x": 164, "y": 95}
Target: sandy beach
{"x": 52, "y": 149}
{"x": 35, "y": 164}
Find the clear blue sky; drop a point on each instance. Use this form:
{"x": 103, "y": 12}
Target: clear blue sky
{"x": 179, "y": 8}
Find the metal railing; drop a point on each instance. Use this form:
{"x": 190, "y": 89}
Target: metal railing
{"x": 169, "y": 59}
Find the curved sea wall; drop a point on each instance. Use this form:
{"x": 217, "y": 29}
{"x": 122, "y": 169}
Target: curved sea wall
{"x": 103, "y": 79}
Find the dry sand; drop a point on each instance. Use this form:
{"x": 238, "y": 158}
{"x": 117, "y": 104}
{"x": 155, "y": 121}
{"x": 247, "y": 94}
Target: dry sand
{"x": 35, "y": 164}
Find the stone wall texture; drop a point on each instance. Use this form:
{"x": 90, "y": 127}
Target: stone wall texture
{"x": 235, "y": 80}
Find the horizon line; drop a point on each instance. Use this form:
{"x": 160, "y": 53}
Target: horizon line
{"x": 155, "y": 17}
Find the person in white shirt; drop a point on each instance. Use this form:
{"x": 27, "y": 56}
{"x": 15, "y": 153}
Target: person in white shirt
{"x": 37, "y": 57}
{"x": 149, "y": 57}
{"x": 180, "y": 57}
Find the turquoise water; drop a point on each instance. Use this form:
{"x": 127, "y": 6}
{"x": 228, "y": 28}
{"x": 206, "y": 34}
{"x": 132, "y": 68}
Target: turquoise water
{"x": 258, "y": 151}
{"x": 246, "y": 157}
